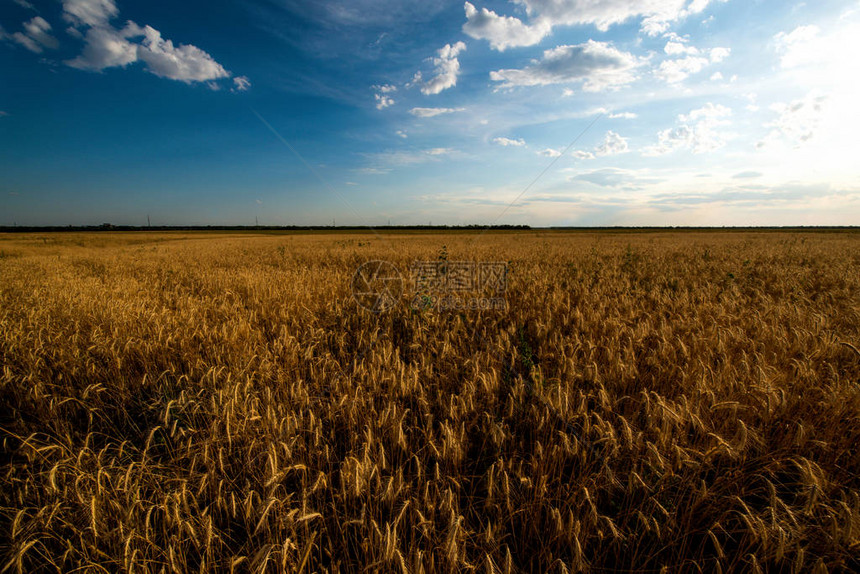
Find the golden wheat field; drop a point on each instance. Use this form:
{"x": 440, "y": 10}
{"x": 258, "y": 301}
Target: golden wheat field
{"x": 647, "y": 402}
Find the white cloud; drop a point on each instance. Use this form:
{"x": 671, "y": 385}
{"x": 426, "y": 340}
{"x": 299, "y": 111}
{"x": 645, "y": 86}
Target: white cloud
{"x": 623, "y": 116}
{"x": 431, "y": 112}
{"x": 509, "y": 142}
{"x": 676, "y": 71}
{"x": 672, "y": 139}
{"x": 678, "y": 48}
{"x": 402, "y": 134}
{"x": 716, "y": 77}
{"x": 439, "y": 151}
{"x": 506, "y": 31}
{"x": 800, "y": 47}
{"x": 657, "y": 14}
{"x": 241, "y": 84}
{"x": 752, "y": 99}
{"x": 709, "y": 112}
{"x": 383, "y": 100}
{"x": 549, "y": 152}
{"x": 613, "y": 144}
{"x": 185, "y": 63}
{"x": 719, "y": 54}
{"x": 502, "y": 32}
{"x": 89, "y": 12}
{"x": 818, "y": 133}
{"x": 446, "y": 69}
{"x": 797, "y": 122}
{"x": 689, "y": 60}
{"x": 697, "y": 131}
{"x": 107, "y": 47}
{"x": 598, "y": 65}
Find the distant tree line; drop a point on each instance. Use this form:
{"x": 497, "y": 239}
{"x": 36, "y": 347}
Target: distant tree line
{"x": 111, "y": 227}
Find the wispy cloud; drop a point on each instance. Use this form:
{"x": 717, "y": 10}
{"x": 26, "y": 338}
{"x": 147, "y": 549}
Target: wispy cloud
{"x": 506, "y": 142}
{"x": 384, "y": 162}
{"x": 36, "y": 36}
{"x": 549, "y": 152}
{"x": 747, "y": 175}
{"x": 241, "y": 84}
{"x": 625, "y": 179}
{"x": 432, "y": 112}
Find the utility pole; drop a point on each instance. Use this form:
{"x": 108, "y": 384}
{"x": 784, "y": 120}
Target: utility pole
{"x": 148, "y": 222}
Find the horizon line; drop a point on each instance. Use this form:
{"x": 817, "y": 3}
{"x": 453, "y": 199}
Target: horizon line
{"x": 468, "y": 227}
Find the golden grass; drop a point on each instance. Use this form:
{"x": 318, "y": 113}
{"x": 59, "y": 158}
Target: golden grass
{"x": 650, "y": 402}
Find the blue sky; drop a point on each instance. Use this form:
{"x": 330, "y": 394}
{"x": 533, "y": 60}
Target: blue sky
{"x": 657, "y": 112}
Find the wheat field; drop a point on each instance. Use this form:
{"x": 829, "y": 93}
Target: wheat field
{"x": 214, "y": 402}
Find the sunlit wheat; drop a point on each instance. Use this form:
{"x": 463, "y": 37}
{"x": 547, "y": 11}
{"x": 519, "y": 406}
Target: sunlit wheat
{"x": 649, "y": 402}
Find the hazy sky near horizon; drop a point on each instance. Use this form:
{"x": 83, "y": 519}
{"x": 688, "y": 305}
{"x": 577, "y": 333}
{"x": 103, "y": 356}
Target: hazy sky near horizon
{"x": 690, "y": 112}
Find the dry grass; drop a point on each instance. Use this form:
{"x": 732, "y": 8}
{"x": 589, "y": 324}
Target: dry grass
{"x": 648, "y": 403}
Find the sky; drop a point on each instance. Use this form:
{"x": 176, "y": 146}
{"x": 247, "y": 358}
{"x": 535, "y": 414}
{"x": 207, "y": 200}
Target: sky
{"x": 375, "y": 112}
